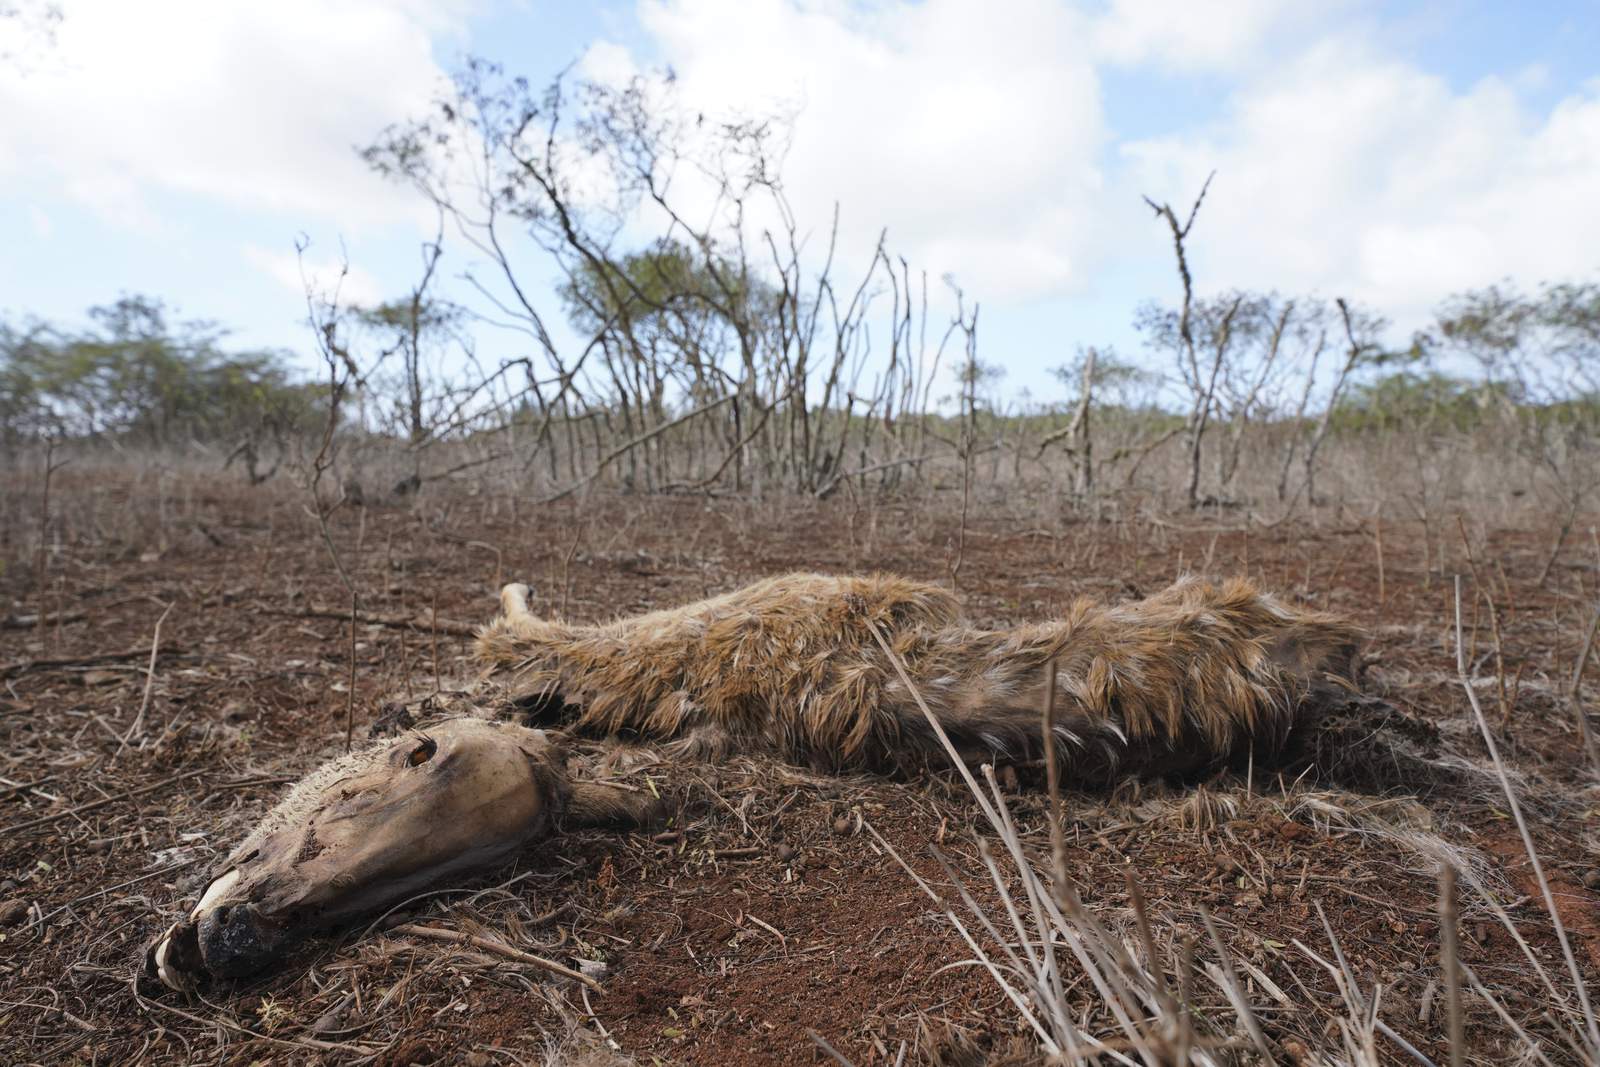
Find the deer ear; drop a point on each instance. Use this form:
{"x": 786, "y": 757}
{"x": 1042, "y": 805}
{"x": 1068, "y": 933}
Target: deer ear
{"x": 609, "y": 807}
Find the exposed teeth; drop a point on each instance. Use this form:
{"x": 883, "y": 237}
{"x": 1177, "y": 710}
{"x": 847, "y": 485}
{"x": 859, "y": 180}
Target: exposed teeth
{"x": 170, "y": 977}
{"x": 167, "y": 970}
{"x": 213, "y": 891}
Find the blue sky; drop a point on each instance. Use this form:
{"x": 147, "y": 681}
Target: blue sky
{"x": 1392, "y": 153}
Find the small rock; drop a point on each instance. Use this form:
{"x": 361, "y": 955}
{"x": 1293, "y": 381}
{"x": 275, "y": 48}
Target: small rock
{"x": 13, "y": 912}
{"x": 329, "y": 1021}
{"x": 1591, "y": 879}
{"x": 841, "y": 825}
{"x": 784, "y": 853}
{"x": 1293, "y": 831}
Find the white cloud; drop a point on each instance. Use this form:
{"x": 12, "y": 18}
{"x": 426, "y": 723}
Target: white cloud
{"x": 972, "y": 131}
{"x": 1186, "y": 35}
{"x": 1361, "y": 175}
{"x": 254, "y": 106}
{"x": 322, "y": 273}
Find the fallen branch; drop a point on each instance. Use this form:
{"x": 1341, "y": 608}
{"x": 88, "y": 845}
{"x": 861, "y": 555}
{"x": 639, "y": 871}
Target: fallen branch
{"x": 93, "y": 804}
{"x": 628, "y": 446}
{"x": 499, "y": 948}
{"x": 28, "y": 622}
{"x": 25, "y": 665}
{"x": 419, "y": 622}
{"x": 834, "y": 482}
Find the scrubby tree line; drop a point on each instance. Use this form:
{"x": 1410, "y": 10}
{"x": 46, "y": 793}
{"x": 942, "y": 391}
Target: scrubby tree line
{"x": 721, "y": 345}
{"x": 135, "y": 379}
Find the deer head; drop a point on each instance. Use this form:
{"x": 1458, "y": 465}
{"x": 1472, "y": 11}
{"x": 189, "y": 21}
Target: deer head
{"x": 370, "y": 829}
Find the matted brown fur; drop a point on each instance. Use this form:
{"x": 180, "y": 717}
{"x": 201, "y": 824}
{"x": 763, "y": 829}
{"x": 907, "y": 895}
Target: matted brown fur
{"x": 1189, "y": 677}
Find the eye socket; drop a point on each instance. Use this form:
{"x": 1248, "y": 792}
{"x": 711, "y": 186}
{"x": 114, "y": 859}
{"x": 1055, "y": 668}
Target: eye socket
{"x": 423, "y": 752}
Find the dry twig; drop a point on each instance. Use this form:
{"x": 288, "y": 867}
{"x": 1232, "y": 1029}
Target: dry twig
{"x": 499, "y": 948}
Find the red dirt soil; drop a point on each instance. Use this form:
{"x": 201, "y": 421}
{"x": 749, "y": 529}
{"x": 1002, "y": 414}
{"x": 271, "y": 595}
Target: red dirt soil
{"x": 765, "y": 910}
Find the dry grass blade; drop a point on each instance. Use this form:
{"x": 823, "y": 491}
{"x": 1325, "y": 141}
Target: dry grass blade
{"x": 1012, "y": 994}
{"x": 1129, "y": 993}
{"x": 500, "y": 948}
{"x": 1579, "y": 987}
{"x": 833, "y": 1053}
{"x": 938, "y": 729}
{"x": 1230, "y": 986}
{"x": 1405, "y": 1046}
{"x": 1529, "y": 1046}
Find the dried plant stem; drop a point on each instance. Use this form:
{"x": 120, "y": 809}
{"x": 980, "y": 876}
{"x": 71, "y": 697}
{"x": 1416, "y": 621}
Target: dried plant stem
{"x": 1450, "y": 963}
{"x": 23, "y": 666}
{"x": 1185, "y": 1039}
{"x": 938, "y": 728}
{"x": 1505, "y": 698}
{"x": 149, "y": 683}
{"x": 1052, "y": 776}
{"x": 350, "y": 692}
{"x": 1233, "y": 990}
{"x": 50, "y": 468}
{"x": 1591, "y": 1026}
{"x": 566, "y": 569}
{"x": 1561, "y": 539}
{"x": 438, "y": 684}
{"x": 499, "y": 948}
{"x": 1574, "y": 694}
{"x": 1383, "y": 589}
{"x": 834, "y": 1054}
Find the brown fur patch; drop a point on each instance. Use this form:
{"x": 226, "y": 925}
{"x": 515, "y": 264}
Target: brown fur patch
{"x": 789, "y": 666}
